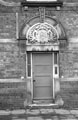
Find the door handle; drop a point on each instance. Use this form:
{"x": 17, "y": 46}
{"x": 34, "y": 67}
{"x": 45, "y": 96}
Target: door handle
{"x": 34, "y": 80}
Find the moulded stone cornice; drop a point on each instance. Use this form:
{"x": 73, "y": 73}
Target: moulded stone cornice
{"x": 2, "y": 2}
{"x": 7, "y": 3}
{"x": 70, "y": 4}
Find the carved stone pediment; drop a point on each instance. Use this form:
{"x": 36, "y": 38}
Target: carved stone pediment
{"x": 42, "y": 33}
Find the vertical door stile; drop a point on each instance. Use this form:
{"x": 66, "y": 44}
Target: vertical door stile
{"x": 53, "y": 77}
{"x": 58, "y": 64}
{"x": 26, "y": 65}
{"x": 31, "y": 76}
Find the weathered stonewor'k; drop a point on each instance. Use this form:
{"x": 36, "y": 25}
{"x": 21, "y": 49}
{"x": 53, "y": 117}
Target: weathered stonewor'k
{"x": 42, "y": 14}
{"x": 38, "y": 53}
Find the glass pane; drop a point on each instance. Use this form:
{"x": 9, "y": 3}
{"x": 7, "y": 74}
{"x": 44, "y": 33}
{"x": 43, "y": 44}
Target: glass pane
{"x": 55, "y": 70}
{"x": 29, "y": 64}
{"x": 55, "y": 58}
{"x": 29, "y": 58}
{"x": 29, "y": 70}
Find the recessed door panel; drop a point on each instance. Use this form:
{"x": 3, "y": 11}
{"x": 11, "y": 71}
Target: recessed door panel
{"x": 42, "y": 69}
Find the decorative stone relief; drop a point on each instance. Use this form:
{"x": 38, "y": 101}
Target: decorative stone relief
{"x": 42, "y": 33}
{"x": 42, "y": 14}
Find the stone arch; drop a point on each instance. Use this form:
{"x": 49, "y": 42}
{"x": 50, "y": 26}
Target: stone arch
{"x": 50, "y": 20}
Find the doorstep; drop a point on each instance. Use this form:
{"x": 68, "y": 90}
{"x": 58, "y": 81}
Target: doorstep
{"x": 39, "y": 106}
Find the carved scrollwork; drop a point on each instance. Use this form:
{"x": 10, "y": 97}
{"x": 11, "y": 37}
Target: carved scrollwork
{"x": 42, "y": 33}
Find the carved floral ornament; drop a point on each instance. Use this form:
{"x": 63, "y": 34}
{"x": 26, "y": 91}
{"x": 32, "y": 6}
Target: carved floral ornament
{"x": 42, "y": 33}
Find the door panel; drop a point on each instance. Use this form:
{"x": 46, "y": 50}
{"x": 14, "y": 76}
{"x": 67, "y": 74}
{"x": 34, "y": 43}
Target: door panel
{"x": 42, "y": 69}
{"x": 42, "y": 59}
{"x": 42, "y": 81}
{"x": 43, "y": 92}
{"x": 42, "y": 76}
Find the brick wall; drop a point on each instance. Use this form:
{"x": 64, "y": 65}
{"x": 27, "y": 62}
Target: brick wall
{"x": 12, "y": 94}
{"x": 12, "y": 61}
{"x": 69, "y": 92}
{"x": 12, "y": 68}
{"x": 69, "y": 63}
{"x": 7, "y": 25}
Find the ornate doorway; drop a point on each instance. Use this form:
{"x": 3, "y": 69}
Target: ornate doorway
{"x": 42, "y": 68}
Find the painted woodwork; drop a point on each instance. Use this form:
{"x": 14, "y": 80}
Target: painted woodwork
{"x": 42, "y": 76}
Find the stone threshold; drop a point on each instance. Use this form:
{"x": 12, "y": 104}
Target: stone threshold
{"x": 39, "y": 106}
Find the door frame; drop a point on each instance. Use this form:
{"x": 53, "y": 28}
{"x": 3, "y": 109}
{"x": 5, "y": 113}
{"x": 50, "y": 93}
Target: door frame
{"x": 31, "y": 77}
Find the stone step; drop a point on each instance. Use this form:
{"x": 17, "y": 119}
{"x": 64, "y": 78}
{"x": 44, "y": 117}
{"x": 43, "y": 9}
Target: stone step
{"x": 38, "y": 106}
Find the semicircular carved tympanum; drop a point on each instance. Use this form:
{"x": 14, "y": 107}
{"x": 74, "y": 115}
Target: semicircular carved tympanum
{"x": 48, "y": 31}
{"x": 42, "y": 33}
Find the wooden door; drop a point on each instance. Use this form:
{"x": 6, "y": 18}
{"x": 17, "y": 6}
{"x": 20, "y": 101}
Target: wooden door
{"x": 42, "y": 76}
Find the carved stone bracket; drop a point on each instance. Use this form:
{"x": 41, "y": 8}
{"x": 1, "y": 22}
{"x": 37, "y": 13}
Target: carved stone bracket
{"x": 42, "y": 14}
{"x": 63, "y": 43}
